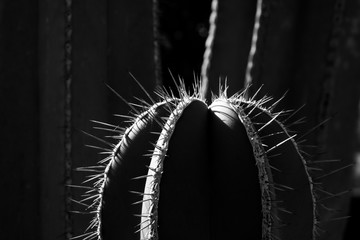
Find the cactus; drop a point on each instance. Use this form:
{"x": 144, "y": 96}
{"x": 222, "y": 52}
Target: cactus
{"x": 184, "y": 169}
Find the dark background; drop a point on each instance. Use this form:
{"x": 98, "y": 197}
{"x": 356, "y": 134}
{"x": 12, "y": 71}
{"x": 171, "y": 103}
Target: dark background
{"x": 56, "y": 55}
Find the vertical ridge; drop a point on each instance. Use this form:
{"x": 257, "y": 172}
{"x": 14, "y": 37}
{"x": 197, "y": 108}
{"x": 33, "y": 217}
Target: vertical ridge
{"x": 68, "y": 116}
{"x": 254, "y": 42}
{"x": 157, "y": 58}
{"x": 205, "y": 68}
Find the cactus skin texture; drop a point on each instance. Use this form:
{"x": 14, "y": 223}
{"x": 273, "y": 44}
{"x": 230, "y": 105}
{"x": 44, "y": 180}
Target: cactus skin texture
{"x": 186, "y": 170}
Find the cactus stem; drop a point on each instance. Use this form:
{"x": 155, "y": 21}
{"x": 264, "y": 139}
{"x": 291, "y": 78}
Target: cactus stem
{"x": 261, "y": 159}
{"x": 152, "y": 182}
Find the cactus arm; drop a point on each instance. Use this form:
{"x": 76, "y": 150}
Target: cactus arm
{"x": 178, "y": 175}
{"x": 207, "y": 165}
{"x": 236, "y": 195}
{"x": 293, "y": 185}
{"x": 116, "y": 210}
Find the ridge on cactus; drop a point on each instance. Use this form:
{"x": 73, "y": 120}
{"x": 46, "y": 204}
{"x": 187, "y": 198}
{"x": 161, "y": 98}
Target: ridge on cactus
{"x": 184, "y": 169}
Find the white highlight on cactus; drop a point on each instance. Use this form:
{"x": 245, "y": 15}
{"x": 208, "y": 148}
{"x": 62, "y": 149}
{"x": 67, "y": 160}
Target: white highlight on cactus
{"x": 149, "y": 219}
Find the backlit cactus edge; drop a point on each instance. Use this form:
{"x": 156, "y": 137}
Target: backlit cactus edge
{"x": 188, "y": 168}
